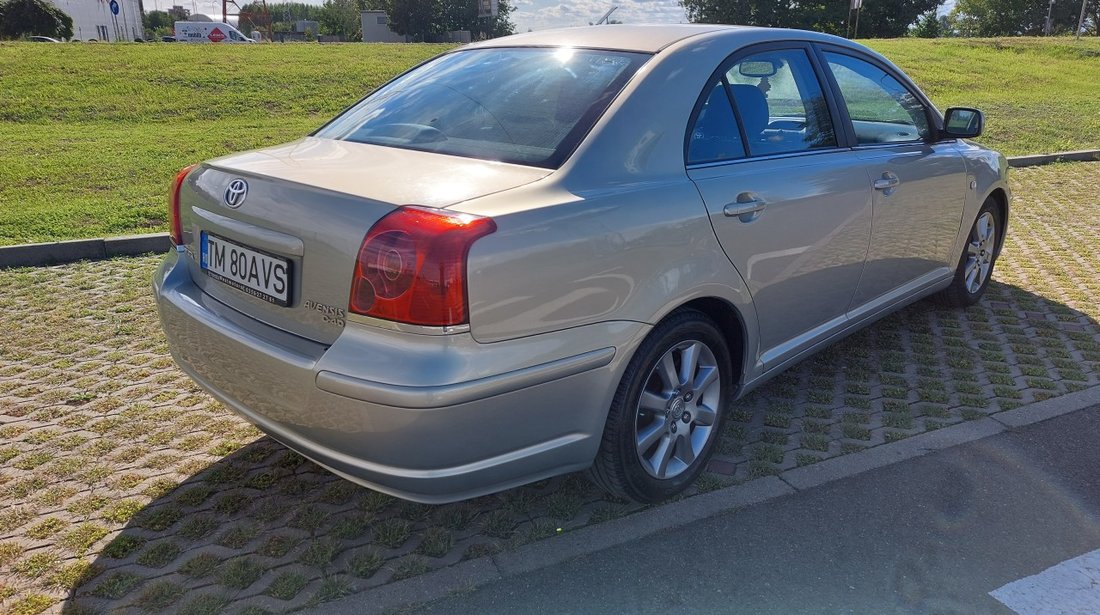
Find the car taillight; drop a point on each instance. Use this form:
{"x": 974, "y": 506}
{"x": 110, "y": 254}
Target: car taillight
{"x": 175, "y": 227}
{"x": 412, "y": 266}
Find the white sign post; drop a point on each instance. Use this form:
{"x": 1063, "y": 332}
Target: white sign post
{"x": 855, "y": 5}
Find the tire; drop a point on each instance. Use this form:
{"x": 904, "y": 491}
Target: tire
{"x": 655, "y": 447}
{"x": 978, "y": 259}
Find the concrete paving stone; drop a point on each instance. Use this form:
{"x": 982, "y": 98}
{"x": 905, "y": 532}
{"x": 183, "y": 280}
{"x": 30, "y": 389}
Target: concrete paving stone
{"x": 100, "y": 431}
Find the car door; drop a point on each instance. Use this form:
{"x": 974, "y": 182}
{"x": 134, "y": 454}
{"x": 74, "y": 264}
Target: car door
{"x": 918, "y": 184}
{"x": 790, "y": 207}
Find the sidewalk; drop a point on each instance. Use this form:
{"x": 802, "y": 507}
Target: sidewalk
{"x": 935, "y": 534}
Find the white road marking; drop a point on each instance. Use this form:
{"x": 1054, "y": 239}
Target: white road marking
{"x": 1069, "y": 588}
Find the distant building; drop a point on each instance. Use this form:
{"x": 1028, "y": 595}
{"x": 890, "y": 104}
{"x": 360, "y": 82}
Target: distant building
{"x": 305, "y": 26}
{"x": 178, "y": 13}
{"x": 93, "y": 19}
{"x": 376, "y": 28}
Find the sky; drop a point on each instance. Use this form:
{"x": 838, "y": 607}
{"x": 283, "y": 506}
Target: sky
{"x": 529, "y": 14}
{"x": 533, "y": 14}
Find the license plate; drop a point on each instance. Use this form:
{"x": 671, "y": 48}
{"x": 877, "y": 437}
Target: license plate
{"x": 248, "y": 270}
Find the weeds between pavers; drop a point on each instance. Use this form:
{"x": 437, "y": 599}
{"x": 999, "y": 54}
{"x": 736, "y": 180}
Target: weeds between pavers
{"x": 117, "y": 469}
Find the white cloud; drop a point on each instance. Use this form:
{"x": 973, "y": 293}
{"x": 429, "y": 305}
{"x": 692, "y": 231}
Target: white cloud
{"x": 529, "y": 14}
{"x": 543, "y": 14}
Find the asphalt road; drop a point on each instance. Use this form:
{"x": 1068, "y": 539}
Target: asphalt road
{"x": 933, "y": 534}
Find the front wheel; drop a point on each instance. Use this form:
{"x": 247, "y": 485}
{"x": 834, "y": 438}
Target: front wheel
{"x": 667, "y": 412}
{"x": 975, "y": 267}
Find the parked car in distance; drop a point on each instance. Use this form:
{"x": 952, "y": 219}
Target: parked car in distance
{"x": 208, "y": 32}
{"x": 43, "y": 39}
{"x": 167, "y": 39}
{"x": 571, "y": 249}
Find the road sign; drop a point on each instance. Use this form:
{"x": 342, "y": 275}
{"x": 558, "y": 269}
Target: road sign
{"x": 114, "y": 6}
{"x": 216, "y": 36}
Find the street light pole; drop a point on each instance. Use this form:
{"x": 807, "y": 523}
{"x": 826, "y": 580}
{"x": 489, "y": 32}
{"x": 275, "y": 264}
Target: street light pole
{"x": 1048, "y": 26}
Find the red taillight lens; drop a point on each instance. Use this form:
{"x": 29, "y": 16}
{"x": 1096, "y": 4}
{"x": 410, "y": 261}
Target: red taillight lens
{"x": 412, "y": 266}
{"x": 175, "y": 227}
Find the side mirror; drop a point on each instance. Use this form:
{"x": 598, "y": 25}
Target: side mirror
{"x": 962, "y": 123}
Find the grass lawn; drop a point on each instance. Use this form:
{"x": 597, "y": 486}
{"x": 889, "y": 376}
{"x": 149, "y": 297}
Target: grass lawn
{"x": 93, "y": 134}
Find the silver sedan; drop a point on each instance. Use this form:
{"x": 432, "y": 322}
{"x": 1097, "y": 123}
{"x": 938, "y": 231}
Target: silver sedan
{"x": 570, "y": 250}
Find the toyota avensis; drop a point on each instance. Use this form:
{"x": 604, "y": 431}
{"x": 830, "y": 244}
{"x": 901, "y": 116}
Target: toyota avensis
{"x": 570, "y": 249}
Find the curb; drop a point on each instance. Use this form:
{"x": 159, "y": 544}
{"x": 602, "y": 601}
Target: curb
{"x": 471, "y": 574}
{"x": 1084, "y": 155}
{"x": 61, "y": 252}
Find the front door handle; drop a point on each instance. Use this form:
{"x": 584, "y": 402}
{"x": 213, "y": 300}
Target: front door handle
{"x": 887, "y": 182}
{"x": 746, "y": 208}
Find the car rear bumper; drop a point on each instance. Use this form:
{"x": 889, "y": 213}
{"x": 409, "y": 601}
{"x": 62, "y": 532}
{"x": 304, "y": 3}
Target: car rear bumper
{"x": 428, "y": 418}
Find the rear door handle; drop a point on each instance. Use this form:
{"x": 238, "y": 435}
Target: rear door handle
{"x": 746, "y": 208}
{"x": 887, "y": 182}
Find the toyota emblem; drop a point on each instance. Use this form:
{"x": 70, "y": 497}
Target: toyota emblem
{"x": 236, "y": 193}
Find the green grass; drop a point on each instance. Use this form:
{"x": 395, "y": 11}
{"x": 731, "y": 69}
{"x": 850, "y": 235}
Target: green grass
{"x": 1038, "y": 94}
{"x": 93, "y": 134}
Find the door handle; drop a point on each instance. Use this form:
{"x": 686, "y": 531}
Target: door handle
{"x": 746, "y": 208}
{"x": 887, "y": 182}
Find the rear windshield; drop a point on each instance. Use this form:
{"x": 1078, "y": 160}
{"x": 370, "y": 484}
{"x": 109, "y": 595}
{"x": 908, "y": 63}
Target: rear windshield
{"x": 528, "y": 106}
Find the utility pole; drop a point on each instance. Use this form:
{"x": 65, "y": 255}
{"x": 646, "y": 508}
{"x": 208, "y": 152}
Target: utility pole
{"x": 1081, "y": 20}
{"x": 1049, "y": 25}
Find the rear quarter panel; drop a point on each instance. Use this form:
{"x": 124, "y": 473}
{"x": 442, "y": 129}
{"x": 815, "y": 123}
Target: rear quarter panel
{"x": 626, "y": 255}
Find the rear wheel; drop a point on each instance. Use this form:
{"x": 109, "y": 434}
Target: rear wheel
{"x": 667, "y": 412}
{"x": 975, "y": 267}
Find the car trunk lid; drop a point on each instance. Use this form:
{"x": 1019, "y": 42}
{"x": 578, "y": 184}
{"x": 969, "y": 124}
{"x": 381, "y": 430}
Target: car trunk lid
{"x": 290, "y": 219}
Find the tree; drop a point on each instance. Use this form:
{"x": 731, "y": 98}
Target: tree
{"x": 888, "y": 18}
{"x": 1012, "y": 17}
{"x": 417, "y": 20}
{"x": 928, "y": 26}
{"x": 283, "y": 15}
{"x": 156, "y": 19}
{"x": 341, "y": 17}
{"x": 19, "y": 18}
{"x": 427, "y": 20}
{"x": 157, "y": 24}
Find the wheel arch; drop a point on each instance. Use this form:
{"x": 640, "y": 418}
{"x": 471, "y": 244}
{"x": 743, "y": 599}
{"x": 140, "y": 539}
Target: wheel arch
{"x": 1000, "y": 198}
{"x": 733, "y": 328}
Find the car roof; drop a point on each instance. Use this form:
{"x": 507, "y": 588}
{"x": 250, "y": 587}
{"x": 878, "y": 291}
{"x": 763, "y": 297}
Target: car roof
{"x": 647, "y": 38}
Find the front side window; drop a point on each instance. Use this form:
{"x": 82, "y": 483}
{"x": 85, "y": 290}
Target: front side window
{"x": 882, "y": 109}
{"x": 527, "y": 106}
{"x": 780, "y": 103}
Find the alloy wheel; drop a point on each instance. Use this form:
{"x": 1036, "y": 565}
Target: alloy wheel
{"x": 678, "y": 409}
{"x": 979, "y": 252}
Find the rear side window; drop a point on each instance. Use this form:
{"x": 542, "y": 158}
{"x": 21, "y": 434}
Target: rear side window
{"x": 715, "y": 135}
{"x": 882, "y": 109}
{"x": 524, "y": 106}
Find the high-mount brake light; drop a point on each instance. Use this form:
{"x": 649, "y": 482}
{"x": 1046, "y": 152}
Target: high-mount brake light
{"x": 411, "y": 266}
{"x": 174, "y": 225}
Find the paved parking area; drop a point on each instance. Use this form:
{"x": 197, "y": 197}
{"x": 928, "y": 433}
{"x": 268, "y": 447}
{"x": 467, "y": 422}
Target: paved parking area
{"x": 124, "y": 487}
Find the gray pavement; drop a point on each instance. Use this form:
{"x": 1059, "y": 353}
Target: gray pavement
{"x": 934, "y": 534}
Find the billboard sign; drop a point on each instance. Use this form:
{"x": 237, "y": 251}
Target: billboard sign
{"x": 487, "y": 8}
